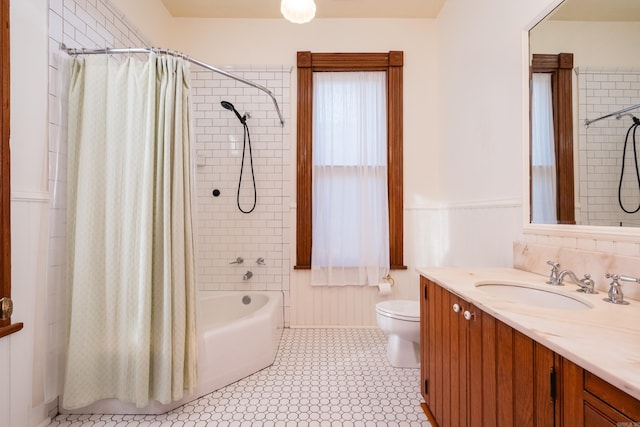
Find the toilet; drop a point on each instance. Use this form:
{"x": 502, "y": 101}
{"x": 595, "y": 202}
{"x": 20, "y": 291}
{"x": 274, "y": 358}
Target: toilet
{"x": 400, "y": 320}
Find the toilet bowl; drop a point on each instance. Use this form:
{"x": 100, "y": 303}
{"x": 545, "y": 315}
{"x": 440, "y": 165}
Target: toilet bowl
{"x": 400, "y": 320}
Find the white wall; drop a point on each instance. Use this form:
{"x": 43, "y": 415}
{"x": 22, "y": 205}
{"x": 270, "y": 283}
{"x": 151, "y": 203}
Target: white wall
{"x": 21, "y": 391}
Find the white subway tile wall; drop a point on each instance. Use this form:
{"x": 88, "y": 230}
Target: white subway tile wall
{"x": 601, "y": 147}
{"x": 225, "y": 233}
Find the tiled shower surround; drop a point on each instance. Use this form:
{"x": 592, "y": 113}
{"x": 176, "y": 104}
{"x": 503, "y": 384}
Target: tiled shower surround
{"x": 224, "y": 233}
{"x": 601, "y": 92}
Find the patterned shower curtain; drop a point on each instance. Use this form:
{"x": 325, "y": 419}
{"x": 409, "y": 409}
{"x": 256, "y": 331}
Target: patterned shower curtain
{"x": 131, "y": 250}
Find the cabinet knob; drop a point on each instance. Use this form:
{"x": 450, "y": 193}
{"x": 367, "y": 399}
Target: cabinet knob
{"x": 468, "y": 315}
{"x": 456, "y": 308}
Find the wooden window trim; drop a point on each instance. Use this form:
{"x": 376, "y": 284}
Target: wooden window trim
{"x": 6, "y": 327}
{"x": 392, "y": 63}
{"x": 560, "y": 67}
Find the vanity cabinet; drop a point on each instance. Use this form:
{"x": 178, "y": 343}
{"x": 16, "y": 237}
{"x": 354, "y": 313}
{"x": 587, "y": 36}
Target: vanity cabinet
{"x": 592, "y": 402}
{"x": 479, "y": 371}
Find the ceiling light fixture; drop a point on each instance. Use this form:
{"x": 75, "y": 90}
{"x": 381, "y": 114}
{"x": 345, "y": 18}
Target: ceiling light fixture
{"x": 298, "y": 11}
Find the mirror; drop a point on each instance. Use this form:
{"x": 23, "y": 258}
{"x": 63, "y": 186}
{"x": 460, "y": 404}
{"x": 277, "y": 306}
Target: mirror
{"x": 602, "y": 36}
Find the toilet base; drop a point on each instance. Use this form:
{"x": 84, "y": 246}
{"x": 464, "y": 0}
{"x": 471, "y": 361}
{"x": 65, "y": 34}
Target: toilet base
{"x": 403, "y": 353}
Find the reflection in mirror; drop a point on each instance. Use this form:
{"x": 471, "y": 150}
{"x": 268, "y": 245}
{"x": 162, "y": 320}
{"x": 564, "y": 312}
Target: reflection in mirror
{"x": 602, "y": 35}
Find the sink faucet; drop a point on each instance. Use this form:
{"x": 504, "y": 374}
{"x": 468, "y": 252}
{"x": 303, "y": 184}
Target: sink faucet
{"x": 556, "y": 278}
{"x": 615, "y": 291}
{"x": 586, "y": 284}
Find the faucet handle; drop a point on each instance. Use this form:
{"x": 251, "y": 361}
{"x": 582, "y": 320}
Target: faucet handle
{"x": 615, "y": 295}
{"x": 553, "y": 275}
{"x": 587, "y": 285}
{"x": 238, "y": 260}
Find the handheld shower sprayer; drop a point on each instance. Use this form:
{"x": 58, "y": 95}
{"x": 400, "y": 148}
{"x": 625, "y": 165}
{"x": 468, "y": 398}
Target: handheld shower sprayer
{"x": 229, "y": 106}
{"x": 246, "y": 143}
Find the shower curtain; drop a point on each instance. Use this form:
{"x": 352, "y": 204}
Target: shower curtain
{"x": 130, "y": 240}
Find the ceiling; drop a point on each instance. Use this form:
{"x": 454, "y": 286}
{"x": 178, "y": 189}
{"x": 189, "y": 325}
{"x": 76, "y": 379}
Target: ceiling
{"x": 324, "y": 8}
{"x": 597, "y": 10}
{"x": 573, "y": 10}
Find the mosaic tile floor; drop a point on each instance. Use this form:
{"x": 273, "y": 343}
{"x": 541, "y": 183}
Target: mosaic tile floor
{"x": 321, "y": 377}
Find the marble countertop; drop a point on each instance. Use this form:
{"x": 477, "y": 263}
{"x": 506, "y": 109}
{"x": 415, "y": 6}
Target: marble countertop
{"x": 604, "y": 339}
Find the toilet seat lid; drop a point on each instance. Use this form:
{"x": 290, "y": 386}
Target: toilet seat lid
{"x": 400, "y": 309}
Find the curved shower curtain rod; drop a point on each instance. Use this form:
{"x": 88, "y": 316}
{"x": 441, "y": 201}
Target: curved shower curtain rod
{"x": 161, "y": 51}
{"x": 618, "y": 114}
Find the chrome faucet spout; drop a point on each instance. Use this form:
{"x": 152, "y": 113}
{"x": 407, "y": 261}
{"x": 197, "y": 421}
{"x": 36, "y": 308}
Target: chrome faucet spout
{"x": 569, "y": 273}
{"x": 586, "y": 284}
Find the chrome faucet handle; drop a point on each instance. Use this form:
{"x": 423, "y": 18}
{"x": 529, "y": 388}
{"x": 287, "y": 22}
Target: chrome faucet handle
{"x": 615, "y": 295}
{"x": 260, "y": 261}
{"x": 553, "y": 275}
{"x": 238, "y": 260}
{"x": 587, "y": 285}
{"x": 629, "y": 279}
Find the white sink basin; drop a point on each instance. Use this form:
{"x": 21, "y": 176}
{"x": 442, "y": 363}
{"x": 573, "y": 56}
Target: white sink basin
{"x": 535, "y": 296}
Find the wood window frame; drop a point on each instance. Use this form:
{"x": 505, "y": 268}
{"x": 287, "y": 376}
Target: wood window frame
{"x": 560, "y": 67}
{"x": 392, "y": 63}
{"x": 6, "y": 327}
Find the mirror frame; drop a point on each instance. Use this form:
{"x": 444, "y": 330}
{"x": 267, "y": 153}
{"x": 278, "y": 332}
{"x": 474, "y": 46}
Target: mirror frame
{"x": 618, "y": 234}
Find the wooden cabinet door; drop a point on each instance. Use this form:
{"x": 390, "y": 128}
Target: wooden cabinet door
{"x": 455, "y": 363}
{"x": 424, "y": 339}
{"x": 444, "y": 356}
{"x": 482, "y": 371}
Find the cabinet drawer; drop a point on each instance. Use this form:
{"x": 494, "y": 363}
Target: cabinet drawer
{"x": 614, "y": 397}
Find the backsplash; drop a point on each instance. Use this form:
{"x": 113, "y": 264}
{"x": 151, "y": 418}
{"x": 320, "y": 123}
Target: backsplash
{"x": 533, "y": 257}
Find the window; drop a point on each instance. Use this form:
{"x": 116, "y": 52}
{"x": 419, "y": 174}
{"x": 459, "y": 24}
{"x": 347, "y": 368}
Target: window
{"x": 391, "y": 63}
{"x": 543, "y": 154}
{"x": 561, "y": 67}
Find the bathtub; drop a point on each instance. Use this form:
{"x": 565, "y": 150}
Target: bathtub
{"x": 238, "y": 335}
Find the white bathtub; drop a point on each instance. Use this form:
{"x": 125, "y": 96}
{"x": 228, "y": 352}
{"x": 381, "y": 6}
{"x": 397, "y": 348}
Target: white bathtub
{"x": 235, "y": 340}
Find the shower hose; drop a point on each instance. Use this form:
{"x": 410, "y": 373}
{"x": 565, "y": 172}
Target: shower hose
{"x": 633, "y": 127}
{"x": 247, "y": 142}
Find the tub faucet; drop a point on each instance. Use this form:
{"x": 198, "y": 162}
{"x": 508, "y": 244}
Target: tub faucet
{"x": 248, "y": 275}
{"x": 586, "y": 284}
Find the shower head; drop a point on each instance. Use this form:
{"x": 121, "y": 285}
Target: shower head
{"x": 229, "y": 106}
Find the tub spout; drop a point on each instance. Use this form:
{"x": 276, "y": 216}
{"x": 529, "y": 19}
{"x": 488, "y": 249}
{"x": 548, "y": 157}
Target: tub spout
{"x": 248, "y": 275}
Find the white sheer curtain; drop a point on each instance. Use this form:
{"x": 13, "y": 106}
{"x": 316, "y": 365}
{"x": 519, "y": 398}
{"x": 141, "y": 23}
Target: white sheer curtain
{"x": 543, "y": 159}
{"x": 130, "y": 241}
{"x": 350, "y": 233}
